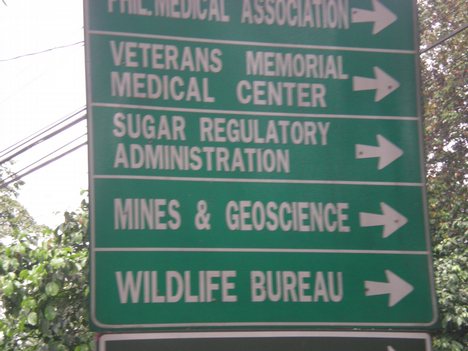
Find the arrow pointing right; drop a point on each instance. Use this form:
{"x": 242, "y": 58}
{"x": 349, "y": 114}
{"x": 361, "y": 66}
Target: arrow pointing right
{"x": 381, "y": 16}
{"x": 390, "y": 219}
{"x": 386, "y": 152}
{"x": 383, "y": 84}
{"x": 395, "y": 287}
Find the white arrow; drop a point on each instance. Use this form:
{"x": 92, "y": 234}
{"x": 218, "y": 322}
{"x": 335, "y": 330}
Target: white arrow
{"x": 386, "y": 152}
{"x": 389, "y": 348}
{"x": 383, "y": 84}
{"x": 390, "y": 219}
{"x": 381, "y": 16}
{"x": 395, "y": 287}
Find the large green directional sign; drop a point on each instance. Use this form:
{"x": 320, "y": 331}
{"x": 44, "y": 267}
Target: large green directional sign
{"x": 266, "y": 341}
{"x": 256, "y": 164}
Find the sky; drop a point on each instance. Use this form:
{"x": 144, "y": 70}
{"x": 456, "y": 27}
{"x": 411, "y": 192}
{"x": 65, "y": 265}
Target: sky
{"x": 37, "y": 90}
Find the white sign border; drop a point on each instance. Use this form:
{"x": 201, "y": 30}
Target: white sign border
{"x": 264, "y": 334}
{"x": 92, "y": 177}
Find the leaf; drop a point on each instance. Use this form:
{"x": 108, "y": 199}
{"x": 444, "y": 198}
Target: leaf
{"x": 82, "y": 347}
{"x": 57, "y": 262}
{"x": 24, "y": 274}
{"x": 28, "y": 304}
{"x": 8, "y": 289}
{"x": 50, "y": 312}
{"x": 32, "y": 318}
{"x": 52, "y": 289}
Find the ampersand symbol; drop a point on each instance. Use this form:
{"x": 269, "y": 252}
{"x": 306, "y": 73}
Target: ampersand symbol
{"x": 202, "y": 219}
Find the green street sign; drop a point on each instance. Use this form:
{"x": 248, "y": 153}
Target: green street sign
{"x": 266, "y": 341}
{"x": 256, "y": 164}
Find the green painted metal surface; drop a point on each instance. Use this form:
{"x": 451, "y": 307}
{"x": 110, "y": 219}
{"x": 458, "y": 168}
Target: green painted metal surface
{"x": 256, "y": 164}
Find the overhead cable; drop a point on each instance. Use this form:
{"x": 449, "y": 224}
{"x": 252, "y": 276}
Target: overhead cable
{"x": 39, "y": 139}
{"x": 447, "y": 37}
{"x": 5, "y": 184}
{"x": 39, "y": 132}
{"x": 42, "y": 51}
{"x": 19, "y": 174}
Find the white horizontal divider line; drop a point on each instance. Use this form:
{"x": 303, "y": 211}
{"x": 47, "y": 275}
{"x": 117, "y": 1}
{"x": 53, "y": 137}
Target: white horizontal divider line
{"x": 264, "y": 324}
{"x": 251, "y": 43}
{"x": 256, "y": 250}
{"x": 254, "y": 180}
{"x": 264, "y": 334}
{"x": 254, "y": 113}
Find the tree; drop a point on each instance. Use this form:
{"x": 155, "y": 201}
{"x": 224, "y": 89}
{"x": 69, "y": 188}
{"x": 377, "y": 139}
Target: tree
{"x": 13, "y": 216}
{"x": 44, "y": 288}
{"x": 445, "y": 91}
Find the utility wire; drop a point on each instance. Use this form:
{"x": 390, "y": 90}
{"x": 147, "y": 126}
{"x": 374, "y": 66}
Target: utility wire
{"x": 447, "y": 37}
{"x": 39, "y": 132}
{"x": 4, "y": 185}
{"x": 18, "y": 175}
{"x": 430, "y": 47}
{"x": 40, "y": 140}
{"x": 37, "y": 138}
{"x": 42, "y": 51}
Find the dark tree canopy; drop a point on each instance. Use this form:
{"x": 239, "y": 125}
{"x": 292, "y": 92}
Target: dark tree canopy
{"x": 445, "y": 92}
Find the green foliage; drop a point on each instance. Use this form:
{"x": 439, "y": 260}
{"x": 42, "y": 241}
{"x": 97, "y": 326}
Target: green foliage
{"x": 44, "y": 289}
{"x": 13, "y": 216}
{"x": 445, "y": 89}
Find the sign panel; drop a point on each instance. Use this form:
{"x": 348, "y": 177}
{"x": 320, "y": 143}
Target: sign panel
{"x": 267, "y": 341}
{"x": 256, "y": 164}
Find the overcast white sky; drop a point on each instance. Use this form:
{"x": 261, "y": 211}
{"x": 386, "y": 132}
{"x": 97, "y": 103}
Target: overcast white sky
{"x": 38, "y": 90}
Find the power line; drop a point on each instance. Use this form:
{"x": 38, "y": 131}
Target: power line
{"x": 4, "y": 185}
{"x": 42, "y": 51}
{"x": 18, "y": 175}
{"x": 37, "y": 138}
{"x": 21, "y": 149}
{"x": 26, "y": 148}
{"x": 39, "y": 132}
{"x": 447, "y": 37}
